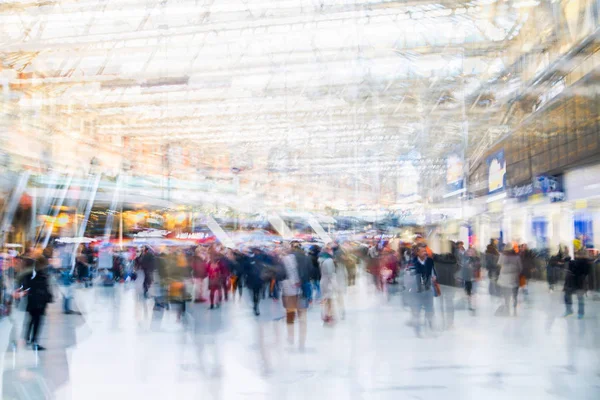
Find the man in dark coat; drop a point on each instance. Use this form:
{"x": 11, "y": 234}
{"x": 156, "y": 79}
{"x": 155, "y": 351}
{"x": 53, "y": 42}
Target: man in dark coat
{"x": 36, "y": 286}
{"x": 148, "y": 265}
{"x": 576, "y": 282}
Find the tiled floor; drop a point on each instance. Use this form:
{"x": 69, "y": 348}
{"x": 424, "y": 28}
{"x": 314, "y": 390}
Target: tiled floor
{"x": 114, "y": 352}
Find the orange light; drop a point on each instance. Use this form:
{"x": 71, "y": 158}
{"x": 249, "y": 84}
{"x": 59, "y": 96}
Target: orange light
{"x": 62, "y": 220}
{"x": 179, "y": 218}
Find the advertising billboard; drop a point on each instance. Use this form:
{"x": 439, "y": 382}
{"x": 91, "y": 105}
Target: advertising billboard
{"x": 496, "y": 172}
{"x": 454, "y": 173}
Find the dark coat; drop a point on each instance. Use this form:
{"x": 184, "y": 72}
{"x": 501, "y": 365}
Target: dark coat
{"x": 424, "y": 270}
{"x": 38, "y": 290}
{"x": 305, "y": 265}
{"x": 577, "y": 273}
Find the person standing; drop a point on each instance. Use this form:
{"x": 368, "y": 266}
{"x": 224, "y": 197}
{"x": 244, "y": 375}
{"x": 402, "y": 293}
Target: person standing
{"x": 328, "y": 282}
{"x": 492, "y": 255}
{"x": 36, "y": 286}
{"x": 576, "y": 282}
{"x": 508, "y": 280}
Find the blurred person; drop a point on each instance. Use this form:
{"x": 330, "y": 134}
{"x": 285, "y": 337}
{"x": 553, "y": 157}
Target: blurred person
{"x": 304, "y": 265}
{"x": 215, "y": 281}
{"x": 240, "y": 266}
{"x": 36, "y": 286}
{"x": 492, "y": 255}
{"x": 576, "y": 282}
{"x": 226, "y": 262}
{"x": 423, "y": 271}
{"x": 253, "y": 278}
{"x": 350, "y": 262}
{"x": 528, "y": 259}
{"x": 315, "y": 277}
{"x": 508, "y": 279}
{"x": 341, "y": 280}
{"x": 328, "y": 282}
{"x": 293, "y": 300}
{"x": 178, "y": 271}
{"x": 147, "y": 265}
{"x": 555, "y": 264}
{"x": 199, "y": 268}
{"x": 82, "y": 265}
{"x": 389, "y": 262}
{"x": 161, "y": 299}
{"x": 469, "y": 264}
{"x": 373, "y": 264}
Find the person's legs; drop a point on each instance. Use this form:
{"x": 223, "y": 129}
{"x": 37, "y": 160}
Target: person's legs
{"x": 428, "y": 306}
{"x": 580, "y": 304}
{"x": 515, "y": 294}
{"x": 240, "y": 285}
{"x": 469, "y": 292}
{"x": 568, "y": 302}
{"x": 36, "y": 318}
{"x": 341, "y": 305}
{"x": 256, "y": 299}
{"x": 507, "y": 293}
{"x": 29, "y": 328}
{"x": 212, "y": 291}
{"x": 290, "y": 308}
{"x": 302, "y": 323}
{"x": 225, "y": 288}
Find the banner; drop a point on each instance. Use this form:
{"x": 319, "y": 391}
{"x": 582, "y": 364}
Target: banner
{"x": 496, "y": 172}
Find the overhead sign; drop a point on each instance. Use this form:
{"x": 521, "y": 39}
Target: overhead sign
{"x": 496, "y": 172}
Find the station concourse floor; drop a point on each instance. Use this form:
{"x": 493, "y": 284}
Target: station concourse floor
{"x": 113, "y": 351}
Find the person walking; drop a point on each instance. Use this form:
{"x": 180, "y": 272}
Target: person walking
{"x": 293, "y": 300}
{"x": 36, "y": 286}
{"x": 148, "y": 265}
{"x": 576, "y": 282}
{"x": 199, "y": 266}
{"x": 215, "y": 281}
{"x": 528, "y": 259}
{"x": 315, "y": 276}
{"x": 467, "y": 261}
{"x": 421, "y": 276}
{"x": 508, "y": 279}
{"x": 253, "y": 278}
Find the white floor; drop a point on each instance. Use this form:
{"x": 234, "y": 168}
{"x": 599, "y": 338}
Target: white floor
{"x": 114, "y": 353}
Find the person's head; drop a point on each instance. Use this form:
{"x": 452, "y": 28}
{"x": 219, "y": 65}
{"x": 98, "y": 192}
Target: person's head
{"x": 295, "y": 245}
{"x": 422, "y": 251}
{"x": 524, "y": 247}
{"x": 460, "y": 245}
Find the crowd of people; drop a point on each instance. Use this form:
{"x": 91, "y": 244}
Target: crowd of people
{"x": 292, "y": 276}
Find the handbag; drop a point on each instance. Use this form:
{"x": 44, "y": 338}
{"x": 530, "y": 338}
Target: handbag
{"x": 437, "y": 290}
{"x": 522, "y": 281}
